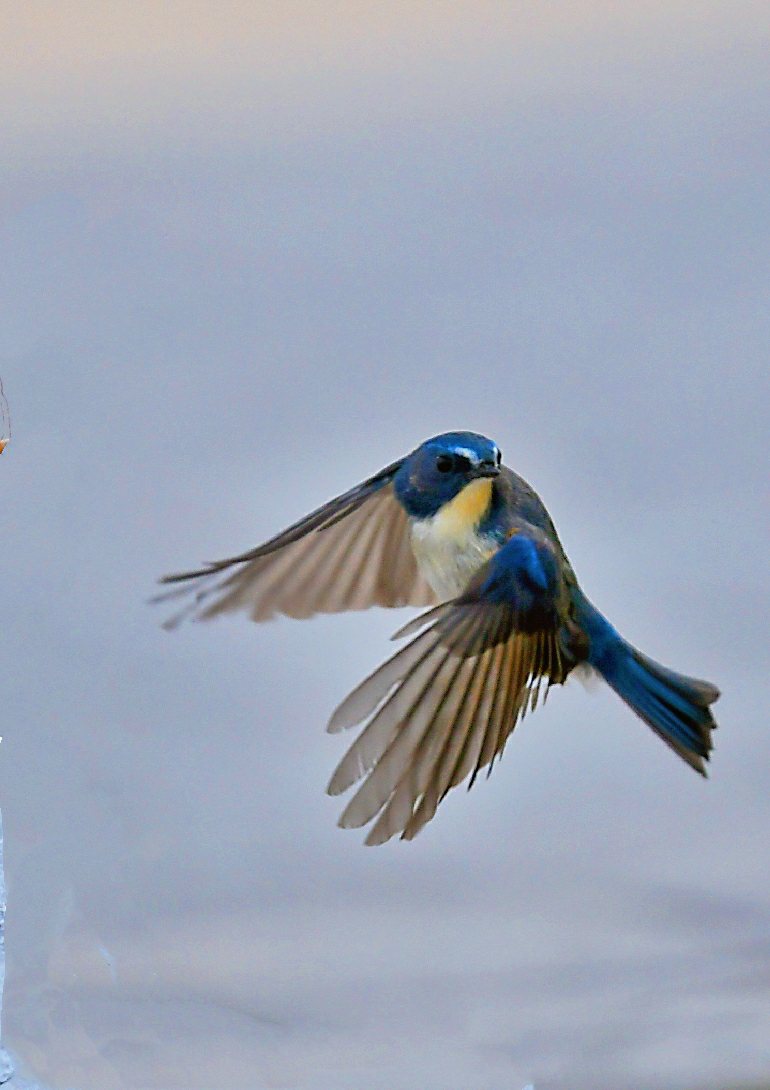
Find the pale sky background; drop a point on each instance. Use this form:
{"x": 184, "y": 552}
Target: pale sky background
{"x": 251, "y": 253}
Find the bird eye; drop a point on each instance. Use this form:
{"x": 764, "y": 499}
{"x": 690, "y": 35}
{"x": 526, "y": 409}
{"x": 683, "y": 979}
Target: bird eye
{"x": 499, "y": 457}
{"x": 444, "y": 463}
{"x": 462, "y": 464}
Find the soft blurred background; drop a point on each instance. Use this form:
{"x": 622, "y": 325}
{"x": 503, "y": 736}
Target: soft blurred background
{"x": 251, "y": 253}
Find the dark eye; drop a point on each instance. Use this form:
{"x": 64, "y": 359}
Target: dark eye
{"x": 499, "y": 457}
{"x": 444, "y": 463}
{"x": 462, "y": 464}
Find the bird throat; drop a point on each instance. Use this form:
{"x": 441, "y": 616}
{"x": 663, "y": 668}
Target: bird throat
{"x": 448, "y": 547}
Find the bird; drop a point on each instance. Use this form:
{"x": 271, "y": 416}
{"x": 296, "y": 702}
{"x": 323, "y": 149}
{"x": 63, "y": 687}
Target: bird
{"x": 451, "y": 529}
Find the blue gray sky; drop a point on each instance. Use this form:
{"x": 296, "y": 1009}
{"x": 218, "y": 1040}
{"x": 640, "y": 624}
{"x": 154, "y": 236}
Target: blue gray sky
{"x": 251, "y": 253}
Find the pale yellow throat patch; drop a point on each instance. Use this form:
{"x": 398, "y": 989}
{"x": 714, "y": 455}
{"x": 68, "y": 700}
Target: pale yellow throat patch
{"x": 448, "y": 547}
{"x": 466, "y": 510}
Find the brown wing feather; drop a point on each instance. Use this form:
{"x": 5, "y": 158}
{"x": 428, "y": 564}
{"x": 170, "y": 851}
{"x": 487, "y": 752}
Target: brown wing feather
{"x": 441, "y": 708}
{"x": 351, "y": 554}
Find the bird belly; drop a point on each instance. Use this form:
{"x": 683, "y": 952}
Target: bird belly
{"x": 448, "y": 561}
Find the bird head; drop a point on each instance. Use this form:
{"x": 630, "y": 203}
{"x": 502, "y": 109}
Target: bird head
{"x": 440, "y": 468}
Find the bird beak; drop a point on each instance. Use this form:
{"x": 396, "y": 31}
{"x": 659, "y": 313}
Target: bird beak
{"x": 486, "y": 469}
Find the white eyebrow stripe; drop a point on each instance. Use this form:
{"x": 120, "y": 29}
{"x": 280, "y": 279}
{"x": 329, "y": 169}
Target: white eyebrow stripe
{"x": 471, "y": 455}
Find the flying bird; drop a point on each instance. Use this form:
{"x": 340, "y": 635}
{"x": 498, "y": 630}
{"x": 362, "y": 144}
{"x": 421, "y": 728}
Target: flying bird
{"x": 451, "y": 528}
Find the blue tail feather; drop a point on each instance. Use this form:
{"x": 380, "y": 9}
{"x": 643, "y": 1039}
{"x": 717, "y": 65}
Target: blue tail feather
{"x": 675, "y": 706}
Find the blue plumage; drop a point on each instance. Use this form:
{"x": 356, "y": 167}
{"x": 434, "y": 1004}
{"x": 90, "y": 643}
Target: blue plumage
{"x": 522, "y": 577}
{"x": 675, "y": 706}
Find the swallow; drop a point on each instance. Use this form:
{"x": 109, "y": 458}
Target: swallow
{"x": 448, "y": 527}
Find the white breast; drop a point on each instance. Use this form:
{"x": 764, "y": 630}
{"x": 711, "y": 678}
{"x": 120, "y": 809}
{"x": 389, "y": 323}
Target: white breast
{"x": 447, "y": 561}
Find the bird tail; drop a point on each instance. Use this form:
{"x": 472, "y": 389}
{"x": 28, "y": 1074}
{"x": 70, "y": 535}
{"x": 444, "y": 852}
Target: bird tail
{"x": 675, "y": 706}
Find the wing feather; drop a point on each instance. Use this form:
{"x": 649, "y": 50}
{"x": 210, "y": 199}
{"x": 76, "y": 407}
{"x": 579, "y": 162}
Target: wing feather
{"x": 440, "y": 709}
{"x": 382, "y": 742}
{"x": 503, "y": 658}
{"x": 419, "y": 770}
{"x": 412, "y": 666}
{"x": 350, "y": 554}
{"x": 458, "y": 736}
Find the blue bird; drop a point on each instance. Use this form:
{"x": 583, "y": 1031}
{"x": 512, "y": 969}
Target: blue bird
{"x": 448, "y": 527}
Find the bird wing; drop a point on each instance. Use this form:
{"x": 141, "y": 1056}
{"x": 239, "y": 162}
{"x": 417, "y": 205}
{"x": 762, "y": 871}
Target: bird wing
{"x": 351, "y": 553}
{"x": 444, "y": 705}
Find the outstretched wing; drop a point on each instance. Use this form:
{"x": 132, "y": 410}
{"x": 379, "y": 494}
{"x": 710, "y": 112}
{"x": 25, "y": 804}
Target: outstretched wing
{"x": 443, "y": 706}
{"x": 352, "y": 553}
